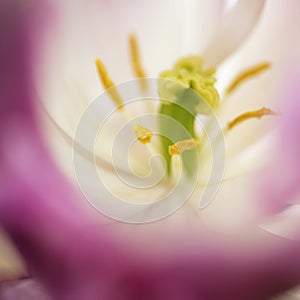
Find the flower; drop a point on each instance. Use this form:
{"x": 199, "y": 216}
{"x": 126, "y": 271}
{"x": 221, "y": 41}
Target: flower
{"x": 241, "y": 151}
{"x": 76, "y": 254}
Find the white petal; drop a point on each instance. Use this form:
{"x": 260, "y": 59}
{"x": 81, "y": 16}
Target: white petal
{"x": 235, "y": 28}
{"x": 274, "y": 41}
{"x": 200, "y": 20}
{"x": 233, "y": 207}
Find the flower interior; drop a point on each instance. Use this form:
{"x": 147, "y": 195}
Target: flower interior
{"x": 186, "y": 91}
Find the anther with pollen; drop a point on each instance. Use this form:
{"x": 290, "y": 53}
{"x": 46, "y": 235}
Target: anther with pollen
{"x": 247, "y": 74}
{"x": 143, "y": 134}
{"x": 250, "y": 115}
{"x": 181, "y": 146}
{"x": 108, "y": 84}
{"x": 136, "y": 61}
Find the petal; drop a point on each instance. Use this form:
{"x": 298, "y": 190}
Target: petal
{"x": 11, "y": 265}
{"x": 14, "y": 67}
{"x": 282, "y": 185}
{"x": 235, "y": 28}
{"x": 15, "y": 104}
{"x": 199, "y": 21}
{"x": 273, "y": 42}
{"x": 26, "y": 289}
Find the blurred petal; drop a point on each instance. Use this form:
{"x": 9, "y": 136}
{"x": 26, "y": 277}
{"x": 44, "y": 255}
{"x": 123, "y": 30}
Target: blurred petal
{"x": 235, "y": 28}
{"x": 11, "y": 265}
{"x": 14, "y": 81}
{"x": 25, "y": 289}
{"x": 15, "y": 104}
{"x": 282, "y": 185}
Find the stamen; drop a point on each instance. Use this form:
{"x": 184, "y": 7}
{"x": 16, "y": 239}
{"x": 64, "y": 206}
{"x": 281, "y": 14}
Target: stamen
{"x": 247, "y": 74}
{"x": 249, "y": 115}
{"x": 143, "y": 134}
{"x": 136, "y": 61}
{"x": 108, "y": 84}
{"x": 179, "y": 147}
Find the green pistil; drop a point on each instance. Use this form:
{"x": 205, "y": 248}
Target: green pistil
{"x": 185, "y": 91}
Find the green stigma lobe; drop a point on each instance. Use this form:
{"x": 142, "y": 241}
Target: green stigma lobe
{"x": 185, "y": 91}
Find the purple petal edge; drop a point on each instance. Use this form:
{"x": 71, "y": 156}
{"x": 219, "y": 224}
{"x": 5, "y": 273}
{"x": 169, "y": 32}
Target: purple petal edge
{"x": 25, "y": 289}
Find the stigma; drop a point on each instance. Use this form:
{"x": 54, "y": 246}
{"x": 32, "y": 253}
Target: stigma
{"x": 188, "y": 73}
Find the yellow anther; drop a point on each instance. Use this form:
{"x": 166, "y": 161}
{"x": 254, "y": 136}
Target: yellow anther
{"x": 108, "y": 84}
{"x": 136, "y": 61}
{"x": 249, "y": 115}
{"x": 143, "y": 134}
{"x": 247, "y": 74}
{"x": 179, "y": 147}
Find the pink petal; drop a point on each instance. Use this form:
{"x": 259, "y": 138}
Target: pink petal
{"x": 26, "y": 289}
{"x": 282, "y": 183}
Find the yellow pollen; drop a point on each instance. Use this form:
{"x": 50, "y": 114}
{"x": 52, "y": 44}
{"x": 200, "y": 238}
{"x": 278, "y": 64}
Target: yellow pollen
{"x": 181, "y": 146}
{"x": 247, "y": 74}
{"x": 249, "y": 115}
{"x": 143, "y": 134}
{"x": 108, "y": 84}
{"x": 136, "y": 61}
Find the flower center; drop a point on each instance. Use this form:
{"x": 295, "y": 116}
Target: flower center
{"x": 185, "y": 91}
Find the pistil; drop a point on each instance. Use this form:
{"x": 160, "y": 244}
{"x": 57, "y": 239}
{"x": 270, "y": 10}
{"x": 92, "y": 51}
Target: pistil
{"x": 185, "y": 91}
